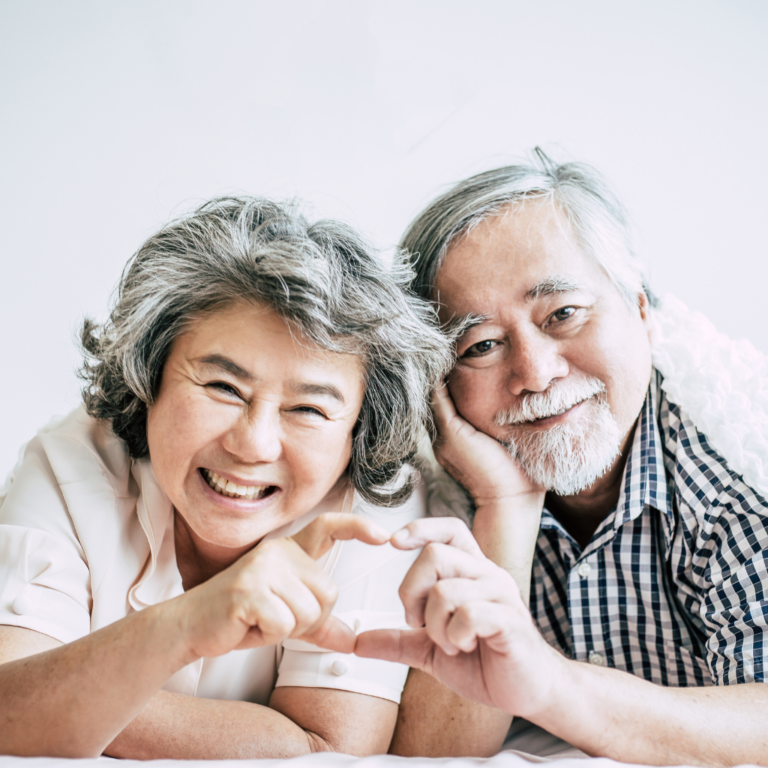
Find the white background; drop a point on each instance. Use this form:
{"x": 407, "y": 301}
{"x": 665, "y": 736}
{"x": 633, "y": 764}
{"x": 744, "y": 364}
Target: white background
{"x": 116, "y": 115}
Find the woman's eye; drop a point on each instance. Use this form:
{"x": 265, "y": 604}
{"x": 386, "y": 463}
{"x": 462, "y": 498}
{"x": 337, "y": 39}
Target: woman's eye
{"x": 563, "y": 314}
{"x": 222, "y": 386}
{"x": 309, "y": 409}
{"x": 481, "y": 348}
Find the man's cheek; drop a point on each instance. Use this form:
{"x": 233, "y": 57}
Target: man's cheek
{"x": 475, "y": 396}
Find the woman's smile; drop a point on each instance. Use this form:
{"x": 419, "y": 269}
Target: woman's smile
{"x": 236, "y": 489}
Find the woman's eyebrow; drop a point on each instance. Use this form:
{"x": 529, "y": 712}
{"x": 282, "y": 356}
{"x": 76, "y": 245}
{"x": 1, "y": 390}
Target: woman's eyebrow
{"x": 312, "y": 388}
{"x": 230, "y": 366}
{"x": 299, "y": 387}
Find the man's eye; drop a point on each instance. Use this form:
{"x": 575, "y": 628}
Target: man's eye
{"x": 563, "y": 314}
{"x": 481, "y": 348}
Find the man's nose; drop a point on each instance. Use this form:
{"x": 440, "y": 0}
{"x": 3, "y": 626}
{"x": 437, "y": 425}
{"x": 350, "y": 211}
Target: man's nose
{"x": 255, "y": 437}
{"x": 536, "y": 362}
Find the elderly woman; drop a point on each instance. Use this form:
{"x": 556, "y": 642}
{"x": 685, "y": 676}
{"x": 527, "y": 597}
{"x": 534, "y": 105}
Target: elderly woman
{"x": 161, "y": 591}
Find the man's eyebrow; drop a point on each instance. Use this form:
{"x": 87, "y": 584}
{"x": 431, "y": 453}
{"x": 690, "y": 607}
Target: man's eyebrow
{"x": 230, "y": 366}
{"x": 460, "y": 325}
{"x": 312, "y": 388}
{"x": 550, "y": 286}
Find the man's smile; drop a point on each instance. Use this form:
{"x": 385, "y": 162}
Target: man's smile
{"x": 555, "y": 418}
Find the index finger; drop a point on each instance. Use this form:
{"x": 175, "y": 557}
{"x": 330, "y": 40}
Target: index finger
{"x": 438, "y": 530}
{"x": 442, "y": 407}
{"x": 319, "y": 536}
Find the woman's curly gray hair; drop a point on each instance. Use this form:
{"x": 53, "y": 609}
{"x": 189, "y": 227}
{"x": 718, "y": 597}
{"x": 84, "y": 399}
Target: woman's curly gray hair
{"x": 322, "y": 279}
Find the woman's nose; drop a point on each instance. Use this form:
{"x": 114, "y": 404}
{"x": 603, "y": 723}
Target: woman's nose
{"x": 255, "y": 438}
{"x": 535, "y": 363}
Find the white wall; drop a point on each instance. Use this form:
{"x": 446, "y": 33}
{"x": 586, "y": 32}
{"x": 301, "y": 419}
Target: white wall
{"x": 115, "y": 115}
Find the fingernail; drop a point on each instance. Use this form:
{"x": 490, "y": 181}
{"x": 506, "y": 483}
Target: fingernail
{"x": 401, "y": 536}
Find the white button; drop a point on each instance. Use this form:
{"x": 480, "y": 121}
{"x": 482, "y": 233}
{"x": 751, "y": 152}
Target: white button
{"x": 24, "y": 603}
{"x": 595, "y": 658}
{"x": 584, "y": 569}
{"x": 339, "y": 667}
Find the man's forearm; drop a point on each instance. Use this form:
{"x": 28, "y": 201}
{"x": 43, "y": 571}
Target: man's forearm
{"x": 428, "y": 706}
{"x": 609, "y": 713}
{"x": 507, "y": 532}
{"x": 177, "y": 727}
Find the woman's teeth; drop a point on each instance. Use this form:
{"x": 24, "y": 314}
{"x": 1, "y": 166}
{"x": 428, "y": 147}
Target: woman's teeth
{"x": 228, "y": 488}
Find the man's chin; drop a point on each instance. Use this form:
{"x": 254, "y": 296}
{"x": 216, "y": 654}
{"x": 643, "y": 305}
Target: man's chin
{"x": 567, "y": 460}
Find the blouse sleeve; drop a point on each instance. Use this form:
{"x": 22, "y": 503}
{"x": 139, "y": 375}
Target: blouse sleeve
{"x": 368, "y": 579}
{"x": 44, "y": 579}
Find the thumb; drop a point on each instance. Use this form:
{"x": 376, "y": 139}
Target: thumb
{"x": 405, "y": 646}
{"x": 332, "y": 634}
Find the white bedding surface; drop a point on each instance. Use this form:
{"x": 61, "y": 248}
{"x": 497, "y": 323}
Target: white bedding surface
{"x": 508, "y": 759}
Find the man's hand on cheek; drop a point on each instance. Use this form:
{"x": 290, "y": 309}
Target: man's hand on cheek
{"x": 472, "y": 630}
{"x": 477, "y": 461}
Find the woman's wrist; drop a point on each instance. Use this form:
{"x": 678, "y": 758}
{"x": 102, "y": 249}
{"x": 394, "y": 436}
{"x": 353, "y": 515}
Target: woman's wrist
{"x": 167, "y": 627}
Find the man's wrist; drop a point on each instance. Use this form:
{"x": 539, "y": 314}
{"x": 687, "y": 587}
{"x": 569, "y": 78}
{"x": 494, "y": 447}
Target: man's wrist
{"x": 557, "y": 676}
{"x": 525, "y": 504}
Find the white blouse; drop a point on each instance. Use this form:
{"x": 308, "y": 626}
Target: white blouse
{"x": 86, "y": 538}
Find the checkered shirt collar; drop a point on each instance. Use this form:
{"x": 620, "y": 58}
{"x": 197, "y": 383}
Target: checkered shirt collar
{"x": 644, "y": 483}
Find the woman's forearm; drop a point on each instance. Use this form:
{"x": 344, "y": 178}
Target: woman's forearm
{"x": 176, "y": 727}
{"x": 71, "y": 701}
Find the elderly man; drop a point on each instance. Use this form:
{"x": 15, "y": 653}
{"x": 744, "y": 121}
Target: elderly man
{"x": 645, "y": 552}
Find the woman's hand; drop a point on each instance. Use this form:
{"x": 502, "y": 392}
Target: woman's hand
{"x": 275, "y": 591}
{"x": 478, "y": 462}
{"x": 472, "y": 629}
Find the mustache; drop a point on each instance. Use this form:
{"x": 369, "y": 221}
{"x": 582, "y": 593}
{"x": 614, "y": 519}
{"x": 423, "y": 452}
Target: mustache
{"x": 553, "y": 401}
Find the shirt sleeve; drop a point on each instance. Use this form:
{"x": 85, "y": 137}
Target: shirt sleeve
{"x": 44, "y": 579}
{"x": 368, "y": 579}
{"x": 730, "y": 561}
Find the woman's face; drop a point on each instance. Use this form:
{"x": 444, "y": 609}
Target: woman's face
{"x": 252, "y": 426}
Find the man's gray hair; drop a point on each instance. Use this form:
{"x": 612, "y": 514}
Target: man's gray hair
{"x": 596, "y": 216}
{"x": 323, "y": 279}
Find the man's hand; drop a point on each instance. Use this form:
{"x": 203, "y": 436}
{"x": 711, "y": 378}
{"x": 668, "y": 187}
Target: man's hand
{"x": 478, "y": 462}
{"x": 275, "y": 591}
{"x": 475, "y": 634}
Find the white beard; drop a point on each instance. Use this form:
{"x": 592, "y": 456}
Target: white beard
{"x": 566, "y": 458}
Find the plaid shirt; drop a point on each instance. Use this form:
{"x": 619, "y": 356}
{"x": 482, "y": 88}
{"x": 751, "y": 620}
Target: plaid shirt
{"x": 673, "y": 585}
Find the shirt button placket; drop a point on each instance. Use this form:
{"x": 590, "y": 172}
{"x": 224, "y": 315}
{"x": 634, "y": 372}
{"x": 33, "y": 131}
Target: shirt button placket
{"x": 596, "y": 659}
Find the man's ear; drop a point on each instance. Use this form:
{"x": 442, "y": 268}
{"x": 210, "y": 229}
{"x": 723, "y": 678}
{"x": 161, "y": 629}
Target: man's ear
{"x": 644, "y": 306}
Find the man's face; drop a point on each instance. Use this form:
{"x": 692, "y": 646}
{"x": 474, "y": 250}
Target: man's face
{"x": 559, "y": 368}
